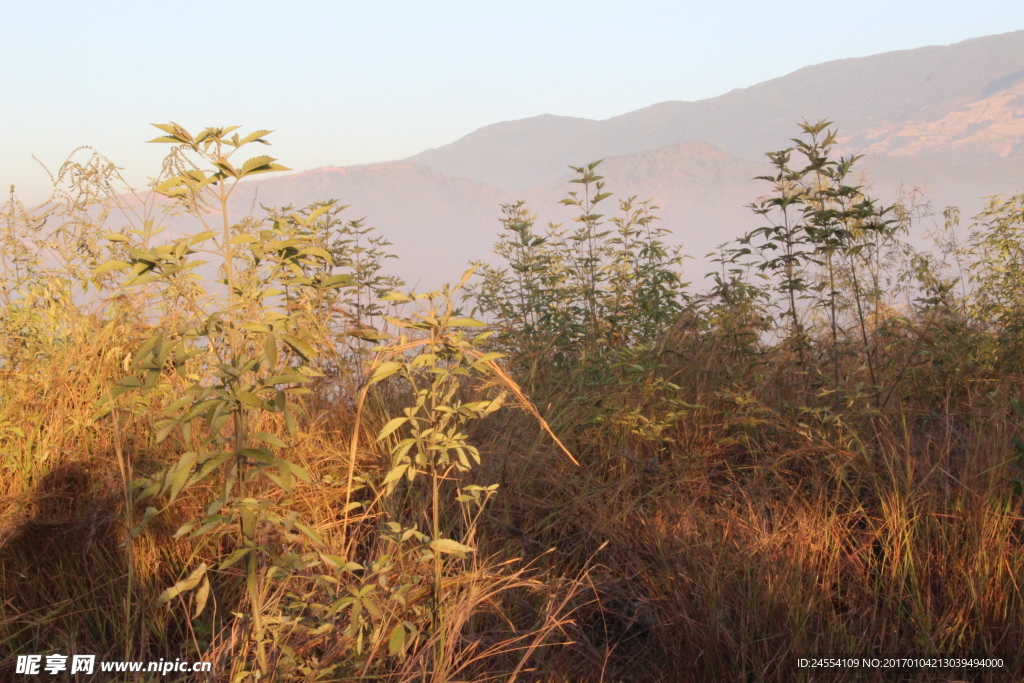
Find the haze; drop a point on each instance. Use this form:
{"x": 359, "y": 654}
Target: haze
{"x": 348, "y": 83}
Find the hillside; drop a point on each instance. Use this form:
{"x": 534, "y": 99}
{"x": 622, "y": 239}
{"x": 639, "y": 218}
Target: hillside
{"x": 411, "y": 205}
{"x": 888, "y": 92}
{"x": 949, "y": 119}
{"x": 609, "y": 483}
{"x": 438, "y": 224}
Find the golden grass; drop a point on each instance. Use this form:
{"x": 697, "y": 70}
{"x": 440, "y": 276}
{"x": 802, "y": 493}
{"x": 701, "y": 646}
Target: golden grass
{"x": 711, "y": 529}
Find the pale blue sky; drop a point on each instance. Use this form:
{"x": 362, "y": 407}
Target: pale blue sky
{"x": 358, "y": 82}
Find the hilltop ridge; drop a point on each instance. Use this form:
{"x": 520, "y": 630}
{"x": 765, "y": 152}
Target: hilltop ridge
{"x": 947, "y": 118}
{"x": 888, "y": 91}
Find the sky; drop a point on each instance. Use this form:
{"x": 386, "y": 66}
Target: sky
{"x": 345, "y": 83}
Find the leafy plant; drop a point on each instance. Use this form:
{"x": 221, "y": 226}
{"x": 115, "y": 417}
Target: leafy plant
{"x": 575, "y": 294}
{"x": 243, "y": 359}
{"x": 823, "y": 228}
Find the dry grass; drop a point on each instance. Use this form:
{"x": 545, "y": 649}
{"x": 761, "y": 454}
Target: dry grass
{"x": 720, "y": 514}
{"x": 720, "y": 556}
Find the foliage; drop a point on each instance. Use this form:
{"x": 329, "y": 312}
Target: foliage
{"x": 246, "y": 443}
{"x": 828, "y": 246}
{"x": 996, "y": 271}
{"x": 571, "y": 294}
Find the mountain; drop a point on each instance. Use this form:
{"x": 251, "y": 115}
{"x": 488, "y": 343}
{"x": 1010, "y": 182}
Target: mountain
{"x": 703, "y": 192}
{"x": 985, "y": 129}
{"x": 437, "y": 223}
{"x": 947, "y": 118}
{"x": 890, "y": 92}
{"x": 698, "y": 189}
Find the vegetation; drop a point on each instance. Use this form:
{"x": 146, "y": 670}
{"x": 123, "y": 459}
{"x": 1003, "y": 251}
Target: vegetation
{"x": 249, "y": 445}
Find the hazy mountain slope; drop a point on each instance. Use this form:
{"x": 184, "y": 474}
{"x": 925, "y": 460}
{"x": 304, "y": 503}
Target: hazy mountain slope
{"x": 516, "y": 155}
{"x": 436, "y": 223}
{"x": 988, "y": 128}
{"x": 703, "y": 192}
{"x": 863, "y": 95}
{"x": 950, "y": 119}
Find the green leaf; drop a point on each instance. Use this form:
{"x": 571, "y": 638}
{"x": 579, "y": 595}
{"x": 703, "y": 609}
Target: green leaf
{"x": 144, "y": 279}
{"x": 208, "y": 467}
{"x": 298, "y": 471}
{"x": 186, "y": 584}
{"x": 466, "y": 322}
{"x": 201, "y": 597}
{"x": 284, "y": 479}
{"x": 184, "y": 529}
{"x": 146, "y": 516}
{"x": 392, "y": 425}
{"x": 234, "y": 557}
{"x": 219, "y": 520}
{"x": 270, "y": 351}
{"x": 338, "y": 280}
{"x": 366, "y": 333}
{"x": 255, "y": 136}
{"x": 170, "y": 184}
{"x": 260, "y": 455}
{"x": 225, "y": 166}
{"x": 286, "y": 378}
{"x": 165, "y": 431}
{"x": 394, "y": 475}
{"x": 319, "y": 211}
{"x": 396, "y": 643}
{"x": 309, "y": 532}
{"x": 111, "y": 265}
{"x": 200, "y": 238}
{"x": 447, "y": 545}
{"x": 270, "y": 439}
{"x": 179, "y": 475}
{"x": 371, "y": 606}
{"x": 319, "y": 253}
{"x": 385, "y": 370}
{"x": 260, "y": 164}
{"x": 299, "y": 346}
{"x": 337, "y": 563}
{"x": 176, "y": 405}
{"x": 169, "y": 128}
{"x": 145, "y": 493}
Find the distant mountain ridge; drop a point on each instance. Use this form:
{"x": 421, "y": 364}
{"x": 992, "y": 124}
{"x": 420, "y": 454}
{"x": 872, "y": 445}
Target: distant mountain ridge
{"x": 981, "y": 131}
{"x": 950, "y": 118}
{"x": 861, "y": 94}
